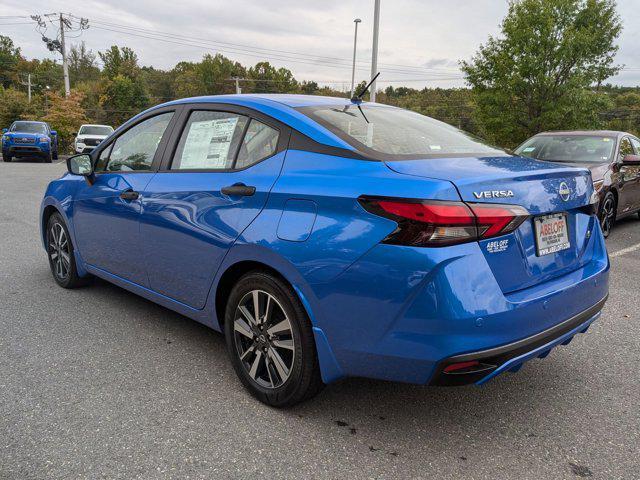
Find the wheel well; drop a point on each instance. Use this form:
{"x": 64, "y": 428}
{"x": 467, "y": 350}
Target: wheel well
{"x": 46, "y": 214}
{"x": 229, "y": 279}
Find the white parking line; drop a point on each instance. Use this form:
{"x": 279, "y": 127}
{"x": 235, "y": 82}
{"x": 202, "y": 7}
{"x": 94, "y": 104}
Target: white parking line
{"x": 624, "y": 251}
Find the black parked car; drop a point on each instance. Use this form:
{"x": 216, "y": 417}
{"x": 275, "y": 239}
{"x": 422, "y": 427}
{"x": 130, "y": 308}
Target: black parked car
{"x": 612, "y": 157}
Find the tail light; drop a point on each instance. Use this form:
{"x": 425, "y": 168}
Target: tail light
{"x": 435, "y": 223}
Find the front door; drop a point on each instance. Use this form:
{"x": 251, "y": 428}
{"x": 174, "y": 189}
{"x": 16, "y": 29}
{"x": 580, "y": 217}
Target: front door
{"x": 107, "y": 213}
{"x": 629, "y": 193}
{"x": 213, "y": 186}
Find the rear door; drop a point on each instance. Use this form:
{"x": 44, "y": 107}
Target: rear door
{"x": 215, "y": 179}
{"x": 107, "y": 213}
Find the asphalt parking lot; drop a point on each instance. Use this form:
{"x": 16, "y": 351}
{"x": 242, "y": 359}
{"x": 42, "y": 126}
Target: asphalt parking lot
{"x": 99, "y": 383}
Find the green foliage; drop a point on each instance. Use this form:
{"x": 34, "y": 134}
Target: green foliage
{"x": 121, "y": 97}
{"x": 9, "y": 59}
{"x": 65, "y": 115}
{"x": 13, "y": 106}
{"x": 119, "y": 61}
{"x": 82, "y": 65}
{"x": 265, "y": 78}
{"x": 539, "y": 74}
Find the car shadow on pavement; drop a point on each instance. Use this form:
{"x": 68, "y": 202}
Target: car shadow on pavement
{"x": 385, "y": 418}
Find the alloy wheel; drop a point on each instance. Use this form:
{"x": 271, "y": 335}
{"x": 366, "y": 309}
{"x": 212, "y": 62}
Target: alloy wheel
{"x": 608, "y": 215}
{"x": 264, "y": 339}
{"x": 59, "y": 251}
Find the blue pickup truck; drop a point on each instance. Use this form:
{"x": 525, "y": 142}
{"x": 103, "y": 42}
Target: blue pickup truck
{"x": 26, "y": 138}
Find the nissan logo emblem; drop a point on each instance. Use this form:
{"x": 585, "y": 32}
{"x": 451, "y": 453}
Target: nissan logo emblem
{"x": 564, "y": 191}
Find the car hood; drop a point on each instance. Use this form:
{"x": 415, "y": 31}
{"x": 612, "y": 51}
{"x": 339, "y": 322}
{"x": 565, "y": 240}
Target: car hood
{"x": 509, "y": 179}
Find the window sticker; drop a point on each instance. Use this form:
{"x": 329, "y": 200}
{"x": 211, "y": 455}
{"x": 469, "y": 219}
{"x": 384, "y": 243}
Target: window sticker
{"x": 208, "y": 142}
{"x": 528, "y": 149}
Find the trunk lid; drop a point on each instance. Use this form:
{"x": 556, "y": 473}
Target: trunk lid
{"x": 541, "y": 188}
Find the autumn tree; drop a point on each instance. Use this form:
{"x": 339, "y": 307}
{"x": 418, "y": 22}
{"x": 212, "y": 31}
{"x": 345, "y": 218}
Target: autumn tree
{"x": 65, "y": 115}
{"x": 544, "y": 70}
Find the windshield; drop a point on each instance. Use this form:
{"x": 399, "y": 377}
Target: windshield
{"x": 390, "y": 133}
{"x": 95, "y": 130}
{"x": 569, "y": 148}
{"x": 28, "y": 127}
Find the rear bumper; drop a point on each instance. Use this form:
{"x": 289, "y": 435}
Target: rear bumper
{"x": 510, "y": 357}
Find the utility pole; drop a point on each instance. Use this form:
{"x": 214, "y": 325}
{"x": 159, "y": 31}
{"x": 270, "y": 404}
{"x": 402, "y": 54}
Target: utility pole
{"x": 353, "y": 70}
{"x": 65, "y": 66}
{"x": 374, "y": 54}
{"x": 28, "y": 85}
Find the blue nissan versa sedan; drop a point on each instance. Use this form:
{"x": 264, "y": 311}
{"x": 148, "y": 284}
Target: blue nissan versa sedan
{"x": 329, "y": 238}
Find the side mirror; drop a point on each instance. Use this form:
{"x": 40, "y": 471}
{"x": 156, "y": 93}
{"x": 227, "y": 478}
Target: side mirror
{"x": 54, "y": 133}
{"x": 5, "y": 130}
{"x": 81, "y": 165}
{"x": 631, "y": 160}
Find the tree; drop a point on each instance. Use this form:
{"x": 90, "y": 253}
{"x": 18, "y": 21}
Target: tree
{"x": 65, "y": 115}
{"x": 119, "y": 61}
{"x": 545, "y": 70}
{"x": 82, "y": 65}
{"x": 267, "y": 79}
{"x": 9, "y": 58}
{"x": 13, "y": 106}
{"x": 122, "y": 97}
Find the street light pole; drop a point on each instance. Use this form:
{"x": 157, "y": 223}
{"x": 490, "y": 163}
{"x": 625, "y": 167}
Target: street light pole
{"x": 353, "y": 70}
{"x": 374, "y": 54}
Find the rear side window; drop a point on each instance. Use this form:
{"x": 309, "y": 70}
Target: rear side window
{"x": 209, "y": 141}
{"x": 134, "y": 149}
{"x": 260, "y": 142}
{"x": 636, "y": 145}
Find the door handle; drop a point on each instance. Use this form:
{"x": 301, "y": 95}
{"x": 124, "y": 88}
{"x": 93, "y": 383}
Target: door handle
{"x": 129, "y": 195}
{"x": 238, "y": 190}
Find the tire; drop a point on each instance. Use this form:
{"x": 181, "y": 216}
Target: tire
{"x": 276, "y": 357}
{"x": 55, "y": 154}
{"x": 6, "y": 157}
{"x": 59, "y": 247}
{"x": 608, "y": 213}
{"x": 48, "y": 157}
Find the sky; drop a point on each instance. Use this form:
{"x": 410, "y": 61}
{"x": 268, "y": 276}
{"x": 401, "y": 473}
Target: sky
{"x": 420, "y": 43}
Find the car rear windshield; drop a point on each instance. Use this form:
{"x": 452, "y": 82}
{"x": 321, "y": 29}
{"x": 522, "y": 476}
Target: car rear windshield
{"x": 390, "y": 133}
{"x": 28, "y": 127}
{"x": 569, "y": 148}
{"x": 95, "y": 130}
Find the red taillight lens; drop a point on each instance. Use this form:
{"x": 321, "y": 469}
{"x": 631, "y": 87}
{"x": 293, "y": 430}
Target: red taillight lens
{"x": 496, "y": 219}
{"x": 440, "y": 223}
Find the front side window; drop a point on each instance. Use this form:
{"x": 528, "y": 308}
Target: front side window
{"x": 636, "y": 145}
{"x": 391, "y": 133}
{"x": 569, "y": 148}
{"x": 134, "y": 149}
{"x": 625, "y": 148}
{"x": 260, "y": 142}
{"x": 209, "y": 141}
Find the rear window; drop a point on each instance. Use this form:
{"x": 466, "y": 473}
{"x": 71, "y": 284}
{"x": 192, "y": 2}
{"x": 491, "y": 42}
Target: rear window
{"x": 569, "y": 148}
{"x": 390, "y": 133}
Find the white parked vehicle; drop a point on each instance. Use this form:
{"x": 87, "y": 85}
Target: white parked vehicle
{"x": 90, "y": 136}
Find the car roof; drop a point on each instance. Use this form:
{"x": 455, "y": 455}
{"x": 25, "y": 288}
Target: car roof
{"x": 282, "y": 107}
{"x": 30, "y": 121}
{"x": 578, "y": 133}
{"x": 94, "y": 125}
